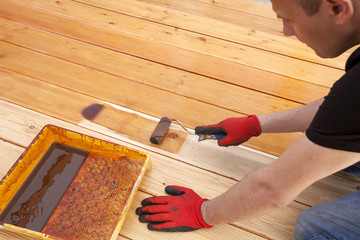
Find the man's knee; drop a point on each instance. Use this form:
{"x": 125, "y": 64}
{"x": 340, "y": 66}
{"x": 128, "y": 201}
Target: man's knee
{"x": 308, "y": 225}
{"x": 338, "y": 219}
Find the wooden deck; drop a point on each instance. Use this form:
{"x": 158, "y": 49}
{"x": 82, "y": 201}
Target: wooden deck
{"x": 198, "y": 61}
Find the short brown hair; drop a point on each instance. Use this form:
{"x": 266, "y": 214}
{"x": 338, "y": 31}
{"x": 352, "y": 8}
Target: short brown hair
{"x": 310, "y": 6}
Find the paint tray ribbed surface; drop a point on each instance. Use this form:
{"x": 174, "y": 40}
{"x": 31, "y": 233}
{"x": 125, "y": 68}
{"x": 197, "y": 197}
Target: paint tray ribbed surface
{"x": 67, "y": 185}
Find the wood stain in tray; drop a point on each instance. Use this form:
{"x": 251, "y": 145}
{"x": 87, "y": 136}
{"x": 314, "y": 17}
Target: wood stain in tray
{"x": 34, "y": 202}
{"x": 67, "y": 185}
{"x": 93, "y": 204}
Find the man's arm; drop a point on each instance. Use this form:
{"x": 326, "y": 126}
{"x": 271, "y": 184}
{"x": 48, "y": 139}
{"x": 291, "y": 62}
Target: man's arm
{"x": 293, "y": 120}
{"x": 277, "y": 184}
{"x": 237, "y": 130}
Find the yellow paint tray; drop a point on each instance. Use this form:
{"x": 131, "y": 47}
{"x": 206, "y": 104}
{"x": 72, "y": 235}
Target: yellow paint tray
{"x": 67, "y": 185}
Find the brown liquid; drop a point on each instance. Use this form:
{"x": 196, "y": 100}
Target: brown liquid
{"x": 92, "y": 111}
{"x": 94, "y": 202}
{"x": 35, "y": 201}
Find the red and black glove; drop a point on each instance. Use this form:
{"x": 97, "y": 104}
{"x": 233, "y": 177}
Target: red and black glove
{"x": 237, "y": 130}
{"x": 180, "y": 212}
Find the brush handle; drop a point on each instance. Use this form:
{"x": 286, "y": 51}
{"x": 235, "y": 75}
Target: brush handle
{"x": 160, "y": 130}
{"x": 203, "y": 137}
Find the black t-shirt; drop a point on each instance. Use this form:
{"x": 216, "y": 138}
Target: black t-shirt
{"x": 337, "y": 123}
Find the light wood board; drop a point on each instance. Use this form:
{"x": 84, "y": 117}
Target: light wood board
{"x": 198, "y": 61}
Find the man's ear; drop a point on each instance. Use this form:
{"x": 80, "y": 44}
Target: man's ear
{"x": 342, "y": 10}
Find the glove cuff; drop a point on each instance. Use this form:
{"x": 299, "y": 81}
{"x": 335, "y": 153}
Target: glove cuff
{"x": 255, "y": 124}
{"x": 200, "y": 219}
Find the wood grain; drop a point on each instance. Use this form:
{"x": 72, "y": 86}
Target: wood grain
{"x": 207, "y": 183}
{"x": 167, "y": 171}
{"x": 189, "y": 61}
{"x": 139, "y": 128}
{"x": 197, "y": 43}
{"x": 211, "y": 27}
{"x": 149, "y": 100}
{"x": 198, "y": 61}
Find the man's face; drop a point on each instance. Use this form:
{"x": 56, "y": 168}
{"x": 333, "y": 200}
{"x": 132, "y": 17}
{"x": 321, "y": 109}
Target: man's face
{"x": 315, "y": 31}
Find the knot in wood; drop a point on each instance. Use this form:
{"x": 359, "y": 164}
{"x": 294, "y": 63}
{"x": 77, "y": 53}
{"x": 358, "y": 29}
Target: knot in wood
{"x": 173, "y": 135}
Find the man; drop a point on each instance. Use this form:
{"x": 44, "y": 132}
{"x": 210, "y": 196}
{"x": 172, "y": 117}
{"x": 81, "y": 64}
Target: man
{"x": 331, "y": 141}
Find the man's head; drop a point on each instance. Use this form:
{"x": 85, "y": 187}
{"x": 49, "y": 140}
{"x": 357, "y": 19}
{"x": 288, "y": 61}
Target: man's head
{"x": 310, "y": 6}
{"x": 329, "y": 27}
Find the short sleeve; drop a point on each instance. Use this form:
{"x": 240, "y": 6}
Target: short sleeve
{"x": 337, "y": 123}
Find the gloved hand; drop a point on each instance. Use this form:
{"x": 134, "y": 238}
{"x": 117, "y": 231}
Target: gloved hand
{"x": 237, "y": 130}
{"x": 180, "y": 212}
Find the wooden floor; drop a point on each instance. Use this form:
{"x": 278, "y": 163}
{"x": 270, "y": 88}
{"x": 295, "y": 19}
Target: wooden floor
{"x": 198, "y": 61}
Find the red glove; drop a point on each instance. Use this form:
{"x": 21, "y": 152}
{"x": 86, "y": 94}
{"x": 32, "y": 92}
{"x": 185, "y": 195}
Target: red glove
{"x": 238, "y": 130}
{"x": 180, "y": 212}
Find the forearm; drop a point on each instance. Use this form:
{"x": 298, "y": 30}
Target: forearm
{"x": 294, "y": 120}
{"x": 267, "y": 188}
{"x": 250, "y": 197}
{"x": 277, "y": 184}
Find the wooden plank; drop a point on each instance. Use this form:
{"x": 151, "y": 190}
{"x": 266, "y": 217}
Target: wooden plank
{"x": 9, "y": 154}
{"x": 207, "y": 26}
{"x": 192, "y": 166}
{"x": 132, "y": 228}
{"x": 239, "y": 161}
{"x": 328, "y": 189}
{"x": 233, "y": 73}
{"x": 257, "y": 9}
{"x": 196, "y": 87}
{"x": 125, "y": 93}
{"x": 318, "y": 193}
{"x": 234, "y": 163}
{"x": 252, "y": 14}
{"x": 278, "y": 220}
{"x": 7, "y": 235}
{"x": 251, "y": 7}
{"x": 248, "y": 6}
{"x": 126, "y": 42}
{"x": 276, "y": 225}
{"x": 67, "y": 105}
{"x": 48, "y": 74}
{"x": 39, "y": 96}
{"x": 227, "y": 15}
{"x": 237, "y": 99}
{"x": 119, "y": 237}
{"x": 136, "y": 230}
{"x": 166, "y": 171}
{"x": 139, "y": 128}
{"x": 145, "y": 99}
{"x": 249, "y": 56}
{"x": 48, "y": 99}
